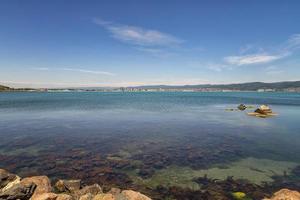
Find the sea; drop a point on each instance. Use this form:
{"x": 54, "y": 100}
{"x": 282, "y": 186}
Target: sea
{"x": 149, "y": 139}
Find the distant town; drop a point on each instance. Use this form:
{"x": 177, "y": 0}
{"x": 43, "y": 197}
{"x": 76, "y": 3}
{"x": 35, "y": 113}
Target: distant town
{"x": 288, "y": 86}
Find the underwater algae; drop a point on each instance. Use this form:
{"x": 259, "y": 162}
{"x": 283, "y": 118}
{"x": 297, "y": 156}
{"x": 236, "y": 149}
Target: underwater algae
{"x": 254, "y": 170}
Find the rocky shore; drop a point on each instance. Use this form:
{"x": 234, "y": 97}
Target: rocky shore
{"x": 12, "y": 187}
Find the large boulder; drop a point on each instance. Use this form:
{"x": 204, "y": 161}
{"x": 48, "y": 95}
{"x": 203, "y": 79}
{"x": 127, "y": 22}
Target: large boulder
{"x": 19, "y": 192}
{"x": 285, "y": 194}
{"x": 42, "y": 182}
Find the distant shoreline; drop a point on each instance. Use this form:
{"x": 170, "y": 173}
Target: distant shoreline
{"x": 113, "y": 91}
{"x": 287, "y": 86}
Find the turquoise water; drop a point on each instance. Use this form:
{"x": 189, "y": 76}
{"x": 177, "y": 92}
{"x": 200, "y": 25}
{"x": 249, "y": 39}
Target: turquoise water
{"x": 145, "y": 134}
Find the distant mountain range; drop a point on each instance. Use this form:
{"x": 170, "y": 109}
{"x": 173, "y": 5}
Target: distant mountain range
{"x": 252, "y": 86}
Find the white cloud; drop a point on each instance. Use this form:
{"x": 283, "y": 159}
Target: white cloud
{"x": 75, "y": 70}
{"x": 216, "y": 66}
{"x": 89, "y": 71}
{"x": 251, "y": 59}
{"x": 137, "y": 35}
{"x": 293, "y": 42}
{"x": 261, "y": 56}
{"x": 41, "y": 68}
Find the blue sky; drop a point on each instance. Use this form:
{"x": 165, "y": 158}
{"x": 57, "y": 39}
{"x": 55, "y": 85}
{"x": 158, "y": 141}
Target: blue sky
{"x": 120, "y": 43}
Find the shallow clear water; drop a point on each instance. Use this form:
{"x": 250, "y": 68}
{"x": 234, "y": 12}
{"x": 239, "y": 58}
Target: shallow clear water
{"x": 178, "y": 130}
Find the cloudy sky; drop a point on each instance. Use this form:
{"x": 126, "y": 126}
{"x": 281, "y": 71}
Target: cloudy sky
{"x": 120, "y": 43}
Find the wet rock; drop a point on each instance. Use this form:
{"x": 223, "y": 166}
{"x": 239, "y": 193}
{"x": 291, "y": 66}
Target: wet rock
{"x": 19, "y": 192}
{"x": 6, "y": 178}
{"x": 263, "y": 111}
{"x": 242, "y": 107}
{"x": 132, "y": 195}
{"x": 285, "y": 194}
{"x": 42, "y": 183}
{"x": 67, "y": 185}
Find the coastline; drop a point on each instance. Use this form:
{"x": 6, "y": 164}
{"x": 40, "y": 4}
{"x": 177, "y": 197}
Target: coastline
{"x": 13, "y": 187}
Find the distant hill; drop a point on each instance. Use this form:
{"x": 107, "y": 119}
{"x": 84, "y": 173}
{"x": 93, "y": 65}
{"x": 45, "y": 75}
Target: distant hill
{"x": 4, "y": 88}
{"x": 252, "y": 86}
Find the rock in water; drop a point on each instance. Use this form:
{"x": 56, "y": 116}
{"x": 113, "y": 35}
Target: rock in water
{"x": 19, "y": 192}
{"x": 285, "y": 194}
{"x": 242, "y": 107}
{"x": 42, "y": 182}
{"x": 263, "y": 109}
